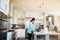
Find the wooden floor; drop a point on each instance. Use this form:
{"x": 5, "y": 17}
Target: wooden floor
{"x": 51, "y": 38}
{"x": 22, "y": 39}
{"x": 38, "y": 39}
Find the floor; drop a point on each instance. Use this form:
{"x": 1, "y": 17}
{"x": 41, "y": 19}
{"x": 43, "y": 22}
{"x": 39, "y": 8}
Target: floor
{"x": 22, "y": 39}
{"x": 38, "y": 39}
{"x": 42, "y": 38}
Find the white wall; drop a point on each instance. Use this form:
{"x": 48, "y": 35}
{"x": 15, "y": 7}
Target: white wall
{"x": 57, "y": 20}
{"x": 53, "y": 6}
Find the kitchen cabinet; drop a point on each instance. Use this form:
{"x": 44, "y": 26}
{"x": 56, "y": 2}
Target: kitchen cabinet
{"x": 29, "y": 14}
{"x": 20, "y": 33}
{"x": 35, "y": 14}
{"x": 4, "y": 6}
{"x": 3, "y": 35}
{"x": 9, "y": 35}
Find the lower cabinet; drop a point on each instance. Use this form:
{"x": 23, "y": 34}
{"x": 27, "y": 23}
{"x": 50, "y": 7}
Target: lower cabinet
{"x": 9, "y": 36}
{"x": 3, "y": 35}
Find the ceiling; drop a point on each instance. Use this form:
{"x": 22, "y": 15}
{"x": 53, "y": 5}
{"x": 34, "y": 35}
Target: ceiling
{"x": 47, "y": 6}
{"x": 29, "y": 4}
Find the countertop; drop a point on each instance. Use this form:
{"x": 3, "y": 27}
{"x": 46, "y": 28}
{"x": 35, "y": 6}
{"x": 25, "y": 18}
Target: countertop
{"x": 47, "y": 33}
{"x": 11, "y": 30}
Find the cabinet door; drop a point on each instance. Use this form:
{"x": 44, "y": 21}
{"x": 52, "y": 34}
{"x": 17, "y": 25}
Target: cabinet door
{"x": 0, "y": 2}
{"x": 28, "y": 14}
{"x": 4, "y": 6}
{"x": 7, "y": 6}
{"x": 32, "y": 14}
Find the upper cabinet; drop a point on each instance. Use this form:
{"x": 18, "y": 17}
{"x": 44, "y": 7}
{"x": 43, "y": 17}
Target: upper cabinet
{"x": 35, "y": 14}
{"x": 4, "y": 6}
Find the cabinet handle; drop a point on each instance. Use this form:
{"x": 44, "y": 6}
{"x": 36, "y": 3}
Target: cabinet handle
{"x": 5, "y": 7}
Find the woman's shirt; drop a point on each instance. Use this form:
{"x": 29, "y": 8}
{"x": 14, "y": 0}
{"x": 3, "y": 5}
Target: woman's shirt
{"x": 31, "y": 28}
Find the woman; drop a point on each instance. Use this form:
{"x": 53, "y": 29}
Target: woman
{"x": 47, "y": 25}
{"x": 31, "y": 28}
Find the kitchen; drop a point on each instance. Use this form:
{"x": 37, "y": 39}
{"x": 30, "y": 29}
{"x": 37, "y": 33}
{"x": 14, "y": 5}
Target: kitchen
{"x": 15, "y": 16}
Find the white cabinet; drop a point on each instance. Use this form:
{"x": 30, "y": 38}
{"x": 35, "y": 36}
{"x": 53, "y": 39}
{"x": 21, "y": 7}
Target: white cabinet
{"x": 4, "y": 6}
{"x": 7, "y": 6}
{"x": 35, "y": 14}
{"x": 9, "y": 35}
{"x": 20, "y": 33}
{"x": 27, "y": 14}
{"x": 0, "y": 2}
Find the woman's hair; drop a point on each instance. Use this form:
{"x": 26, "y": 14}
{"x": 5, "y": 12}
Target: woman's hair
{"x": 32, "y": 19}
{"x": 48, "y": 22}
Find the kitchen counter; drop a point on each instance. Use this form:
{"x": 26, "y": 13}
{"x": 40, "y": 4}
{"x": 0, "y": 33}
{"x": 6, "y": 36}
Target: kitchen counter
{"x": 6, "y": 34}
{"x": 3, "y": 35}
{"x": 14, "y": 34}
{"x": 50, "y": 33}
{"x": 11, "y": 30}
{"x": 47, "y": 34}
{"x": 10, "y": 34}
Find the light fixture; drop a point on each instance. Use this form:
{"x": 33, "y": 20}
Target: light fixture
{"x": 42, "y": 17}
{"x": 23, "y": 2}
{"x": 39, "y": 17}
{"x": 46, "y": 14}
{"x": 42, "y": 3}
